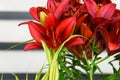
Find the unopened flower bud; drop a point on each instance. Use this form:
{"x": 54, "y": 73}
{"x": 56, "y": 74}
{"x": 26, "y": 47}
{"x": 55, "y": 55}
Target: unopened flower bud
{"x": 42, "y": 17}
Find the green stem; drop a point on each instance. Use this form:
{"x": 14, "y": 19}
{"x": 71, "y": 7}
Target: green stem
{"x": 84, "y": 54}
{"x": 91, "y": 73}
{"x": 92, "y": 66}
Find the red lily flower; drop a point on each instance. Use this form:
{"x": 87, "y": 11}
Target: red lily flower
{"x": 114, "y": 34}
{"x": 103, "y": 21}
{"x": 104, "y": 25}
{"x": 52, "y": 33}
{"x": 107, "y": 12}
{"x": 52, "y": 30}
{"x": 95, "y": 10}
{"x": 52, "y": 7}
{"x": 87, "y": 34}
{"x": 102, "y": 13}
{"x": 112, "y": 39}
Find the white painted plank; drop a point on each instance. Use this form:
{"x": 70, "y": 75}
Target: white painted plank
{"x": 20, "y": 5}
{"x": 31, "y": 61}
{"x": 24, "y": 5}
{"x": 21, "y": 62}
{"x": 10, "y": 32}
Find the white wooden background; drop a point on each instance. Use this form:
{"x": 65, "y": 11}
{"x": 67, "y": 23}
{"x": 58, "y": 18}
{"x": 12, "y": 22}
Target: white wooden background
{"x": 21, "y": 61}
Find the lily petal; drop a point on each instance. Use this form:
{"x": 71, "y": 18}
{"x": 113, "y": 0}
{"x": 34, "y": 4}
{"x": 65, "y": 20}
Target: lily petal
{"x": 65, "y": 28}
{"x": 74, "y": 42}
{"x": 81, "y": 20}
{"x": 85, "y": 31}
{"x": 50, "y": 21}
{"x": 106, "y": 11}
{"x": 32, "y": 45}
{"x": 33, "y": 12}
{"x": 39, "y": 9}
{"x": 113, "y": 48}
{"x": 91, "y": 7}
{"x": 37, "y": 31}
{"x": 101, "y": 20}
{"x": 36, "y": 11}
{"x": 51, "y": 5}
{"x": 61, "y": 8}
{"x": 116, "y": 19}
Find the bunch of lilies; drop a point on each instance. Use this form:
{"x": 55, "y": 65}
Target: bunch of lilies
{"x": 76, "y": 26}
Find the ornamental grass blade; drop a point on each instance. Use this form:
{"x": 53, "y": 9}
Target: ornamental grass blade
{"x": 54, "y": 73}
{"x": 26, "y": 76}
{"x": 37, "y": 77}
{"x": 14, "y": 46}
{"x": 62, "y": 45}
{"x": 1, "y": 77}
{"x": 45, "y": 77}
{"x": 47, "y": 51}
{"x": 16, "y": 77}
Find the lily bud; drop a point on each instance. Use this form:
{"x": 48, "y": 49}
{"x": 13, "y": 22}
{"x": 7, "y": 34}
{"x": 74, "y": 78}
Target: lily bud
{"x": 42, "y": 17}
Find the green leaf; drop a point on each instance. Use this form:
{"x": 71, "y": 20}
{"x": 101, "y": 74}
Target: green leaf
{"x": 117, "y": 57}
{"x": 111, "y": 77}
{"x": 98, "y": 68}
{"x": 61, "y": 76}
{"x": 114, "y": 69}
{"x": 66, "y": 69}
